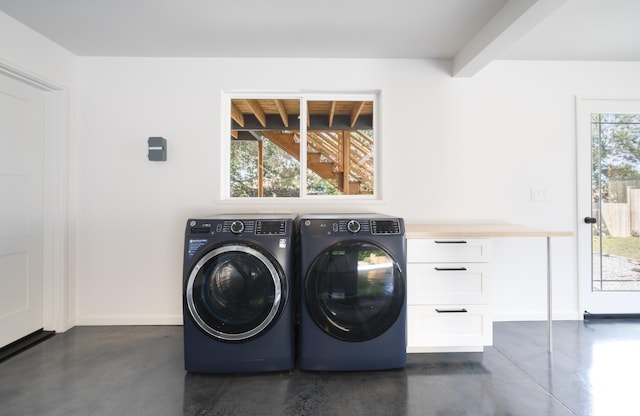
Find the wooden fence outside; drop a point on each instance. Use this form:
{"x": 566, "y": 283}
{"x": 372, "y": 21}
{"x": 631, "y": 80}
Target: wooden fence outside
{"x": 622, "y": 219}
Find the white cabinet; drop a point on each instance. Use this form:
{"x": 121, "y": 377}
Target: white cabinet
{"x": 448, "y": 294}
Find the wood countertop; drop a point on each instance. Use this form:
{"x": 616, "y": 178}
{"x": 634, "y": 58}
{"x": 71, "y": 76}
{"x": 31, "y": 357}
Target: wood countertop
{"x": 479, "y": 231}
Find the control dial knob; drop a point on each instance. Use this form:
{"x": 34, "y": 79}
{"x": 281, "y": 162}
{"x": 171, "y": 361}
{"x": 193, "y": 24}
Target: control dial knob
{"x": 237, "y": 227}
{"x": 353, "y": 226}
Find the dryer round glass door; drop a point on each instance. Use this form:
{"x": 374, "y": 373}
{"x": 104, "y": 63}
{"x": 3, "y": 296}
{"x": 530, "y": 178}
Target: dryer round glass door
{"x": 235, "y": 292}
{"x": 354, "y": 290}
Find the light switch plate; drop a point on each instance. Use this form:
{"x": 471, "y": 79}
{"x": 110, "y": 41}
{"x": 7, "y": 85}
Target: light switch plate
{"x": 539, "y": 194}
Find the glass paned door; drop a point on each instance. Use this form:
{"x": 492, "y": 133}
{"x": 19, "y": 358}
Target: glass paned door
{"x": 608, "y": 205}
{"x": 615, "y": 223}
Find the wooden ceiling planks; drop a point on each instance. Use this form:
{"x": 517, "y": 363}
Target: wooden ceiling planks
{"x": 285, "y": 108}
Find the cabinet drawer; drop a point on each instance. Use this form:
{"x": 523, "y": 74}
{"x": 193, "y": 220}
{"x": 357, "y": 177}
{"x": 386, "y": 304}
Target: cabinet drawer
{"x": 444, "y": 250}
{"x": 428, "y": 329}
{"x": 445, "y": 283}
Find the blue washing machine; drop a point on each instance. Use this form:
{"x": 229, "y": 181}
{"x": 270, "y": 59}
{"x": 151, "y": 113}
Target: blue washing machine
{"x": 238, "y": 302}
{"x": 352, "y": 292}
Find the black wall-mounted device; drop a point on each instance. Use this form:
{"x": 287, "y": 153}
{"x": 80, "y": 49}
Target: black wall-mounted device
{"x": 157, "y": 149}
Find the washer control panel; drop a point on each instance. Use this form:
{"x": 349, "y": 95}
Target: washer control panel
{"x": 238, "y": 226}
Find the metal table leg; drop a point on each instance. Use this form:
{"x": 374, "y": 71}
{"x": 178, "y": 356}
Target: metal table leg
{"x": 549, "y": 297}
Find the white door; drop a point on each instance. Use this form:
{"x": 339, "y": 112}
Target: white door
{"x": 21, "y": 209}
{"x": 608, "y": 181}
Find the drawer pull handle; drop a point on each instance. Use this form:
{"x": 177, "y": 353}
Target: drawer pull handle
{"x": 450, "y": 242}
{"x": 463, "y": 310}
{"x": 451, "y": 269}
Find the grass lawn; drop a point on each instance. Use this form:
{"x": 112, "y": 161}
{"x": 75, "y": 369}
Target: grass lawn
{"x": 628, "y": 247}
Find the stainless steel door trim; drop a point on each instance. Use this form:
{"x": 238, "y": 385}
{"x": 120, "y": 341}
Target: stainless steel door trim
{"x": 275, "y": 276}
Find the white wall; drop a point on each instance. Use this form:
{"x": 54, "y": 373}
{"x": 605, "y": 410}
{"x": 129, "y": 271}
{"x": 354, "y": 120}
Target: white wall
{"x": 453, "y": 150}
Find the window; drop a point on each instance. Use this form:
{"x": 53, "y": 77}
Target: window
{"x": 271, "y": 139}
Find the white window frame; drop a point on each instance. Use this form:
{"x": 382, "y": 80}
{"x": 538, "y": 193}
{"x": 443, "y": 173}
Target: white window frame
{"x": 303, "y": 97}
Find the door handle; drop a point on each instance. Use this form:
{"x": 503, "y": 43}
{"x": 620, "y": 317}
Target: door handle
{"x": 590, "y": 220}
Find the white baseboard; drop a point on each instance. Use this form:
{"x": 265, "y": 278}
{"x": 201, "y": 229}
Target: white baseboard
{"x": 119, "y": 320}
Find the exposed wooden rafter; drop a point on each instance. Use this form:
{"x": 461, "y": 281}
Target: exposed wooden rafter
{"x": 236, "y": 114}
{"x": 257, "y": 112}
{"x": 357, "y": 109}
{"x": 282, "y": 110}
{"x": 260, "y": 168}
{"x": 278, "y": 114}
{"x": 332, "y": 112}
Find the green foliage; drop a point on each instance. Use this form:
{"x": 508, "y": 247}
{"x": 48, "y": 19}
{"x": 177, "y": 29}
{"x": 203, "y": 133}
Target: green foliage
{"x": 615, "y": 150}
{"x": 281, "y": 172}
{"x": 319, "y": 186}
{"x": 244, "y": 169}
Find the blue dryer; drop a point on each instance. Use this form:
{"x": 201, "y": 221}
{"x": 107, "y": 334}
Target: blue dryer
{"x": 238, "y": 303}
{"x": 352, "y": 292}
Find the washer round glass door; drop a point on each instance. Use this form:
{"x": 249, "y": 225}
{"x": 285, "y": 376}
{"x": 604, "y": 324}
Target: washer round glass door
{"x": 354, "y": 290}
{"x": 235, "y": 292}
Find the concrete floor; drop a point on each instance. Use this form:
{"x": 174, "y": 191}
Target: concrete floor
{"x": 139, "y": 371}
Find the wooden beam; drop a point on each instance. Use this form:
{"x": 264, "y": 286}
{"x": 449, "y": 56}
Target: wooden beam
{"x": 341, "y": 122}
{"x": 246, "y": 136}
{"x": 346, "y": 159}
{"x": 254, "y": 105}
{"x": 234, "y": 134}
{"x": 308, "y": 116}
{"x": 273, "y": 121}
{"x": 332, "y": 112}
{"x": 236, "y": 115}
{"x": 283, "y": 112}
{"x": 260, "y": 168}
{"x": 355, "y": 113}
{"x": 284, "y": 141}
{"x": 515, "y": 19}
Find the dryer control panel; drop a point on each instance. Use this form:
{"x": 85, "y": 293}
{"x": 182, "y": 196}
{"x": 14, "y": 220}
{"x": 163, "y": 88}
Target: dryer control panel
{"x": 351, "y": 226}
{"x": 385, "y": 227}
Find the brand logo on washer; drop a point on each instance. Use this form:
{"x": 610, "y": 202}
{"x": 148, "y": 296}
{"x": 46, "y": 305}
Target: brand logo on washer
{"x": 283, "y": 243}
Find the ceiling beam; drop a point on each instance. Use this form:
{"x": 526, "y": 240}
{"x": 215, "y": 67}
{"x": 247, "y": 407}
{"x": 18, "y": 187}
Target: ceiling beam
{"x": 507, "y": 26}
